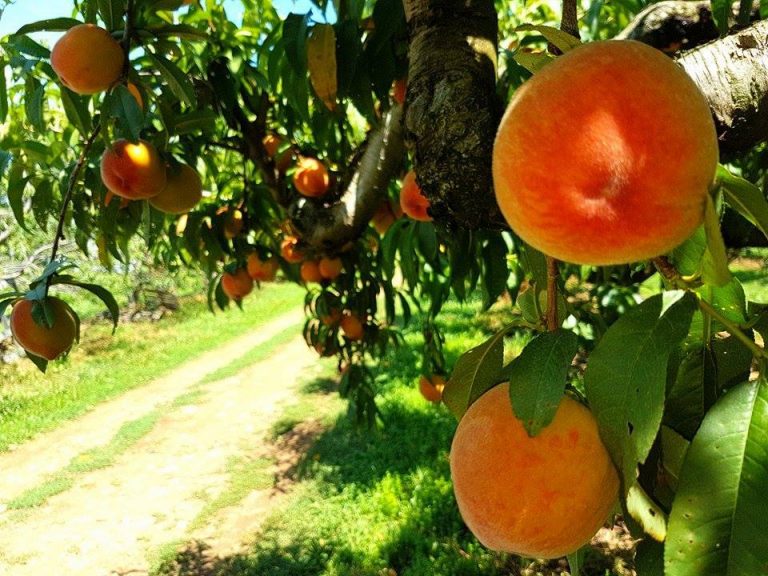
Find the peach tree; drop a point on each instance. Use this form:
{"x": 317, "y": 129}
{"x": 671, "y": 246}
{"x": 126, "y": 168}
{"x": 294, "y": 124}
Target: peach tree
{"x": 240, "y": 146}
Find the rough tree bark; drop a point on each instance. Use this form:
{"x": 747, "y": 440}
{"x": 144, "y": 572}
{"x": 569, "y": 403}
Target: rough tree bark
{"x": 452, "y": 109}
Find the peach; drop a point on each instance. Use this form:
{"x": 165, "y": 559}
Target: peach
{"x": 606, "y": 155}
{"x": 182, "y": 192}
{"x": 510, "y": 486}
{"x": 413, "y": 203}
{"x": 431, "y": 388}
{"x": 330, "y": 268}
{"x": 237, "y": 285}
{"x": 262, "y": 270}
{"x": 311, "y": 178}
{"x": 39, "y": 340}
{"x": 290, "y": 251}
{"x": 385, "y": 216}
{"x": 133, "y": 171}
{"x": 310, "y": 271}
{"x": 352, "y": 327}
{"x": 87, "y": 59}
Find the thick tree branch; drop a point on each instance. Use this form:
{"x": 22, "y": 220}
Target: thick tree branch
{"x": 733, "y": 75}
{"x": 452, "y": 110}
{"x": 328, "y": 227}
{"x": 673, "y": 25}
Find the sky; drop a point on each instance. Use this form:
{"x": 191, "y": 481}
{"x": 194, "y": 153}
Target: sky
{"x": 25, "y": 11}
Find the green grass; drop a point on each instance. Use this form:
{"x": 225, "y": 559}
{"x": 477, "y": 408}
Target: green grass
{"x": 103, "y": 366}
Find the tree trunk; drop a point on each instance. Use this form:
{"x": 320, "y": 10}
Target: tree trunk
{"x": 452, "y": 110}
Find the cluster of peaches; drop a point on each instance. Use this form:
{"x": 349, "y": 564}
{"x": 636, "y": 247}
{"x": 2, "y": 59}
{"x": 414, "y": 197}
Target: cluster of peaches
{"x": 605, "y": 156}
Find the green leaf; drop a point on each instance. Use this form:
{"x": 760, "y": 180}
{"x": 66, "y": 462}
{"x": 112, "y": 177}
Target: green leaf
{"x": 125, "y": 108}
{"x": 295, "y": 42}
{"x": 532, "y": 61}
{"x": 643, "y": 509}
{"x": 3, "y": 92}
{"x": 562, "y": 40}
{"x": 718, "y": 523}
{"x": 16, "y": 184}
{"x": 41, "y": 363}
{"x": 721, "y": 13}
{"x": 76, "y": 109}
{"x": 715, "y": 262}
{"x": 99, "y": 291}
{"x": 649, "y": 558}
{"x": 111, "y": 12}
{"x": 49, "y": 25}
{"x": 537, "y": 378}
{"x": 692, "y": 391}
{"x": 745, "y": 198}
{"x": 626, "y": 376}
{"x": 177, "y": 80}
{"x": 194, "y": 122}
{"x": 495, "y": 271}
{"x": 475, "y": 372}
{"x": 26, "y": 45}
{"x": 33, "y": 103}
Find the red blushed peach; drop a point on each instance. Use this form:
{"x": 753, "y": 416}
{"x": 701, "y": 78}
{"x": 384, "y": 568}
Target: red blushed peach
{"x": 412, "y": 201}
{"x": 87, "y": 59}
{"x": 606, "y": 155}
{"x": 42, "y": 341}
{"x": 311, "y": 177}
{"x": 133, "y": 171}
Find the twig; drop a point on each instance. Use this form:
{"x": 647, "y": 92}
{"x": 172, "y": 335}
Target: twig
{"x": 552, "y": 273}
{"x": 570, "y": 21}
{"x": 666, "y": 268}
{"x": 734, "y": 329}
{"x": 71, "y": 188}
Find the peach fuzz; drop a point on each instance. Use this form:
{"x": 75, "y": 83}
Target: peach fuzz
{"x": 87, "y": 59}
{"x": 48, "y": 343}
{"x": 133, "y": 171}
{"x": 509, "y": 486}
{"x": 606, "y": 155}
{"x": 413, "y": 203}
{"x": 182, "y": 192}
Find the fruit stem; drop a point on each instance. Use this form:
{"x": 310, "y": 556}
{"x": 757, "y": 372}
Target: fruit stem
{"x": 73, "y": 178}
{"x": 734, "y": 329}
{"x": 126, "y": 41}
{"x": 552, "y": 273}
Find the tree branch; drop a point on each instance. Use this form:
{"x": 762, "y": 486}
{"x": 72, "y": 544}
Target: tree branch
{"x": 452, "y": 109}
{"x": 328, "y": 227}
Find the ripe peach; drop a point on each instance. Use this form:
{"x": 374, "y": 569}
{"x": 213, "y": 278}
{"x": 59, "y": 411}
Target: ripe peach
{"x": 182, "y": 192}
{"x": 133, "y": 171}
{"x": 510, "y": 486}
{"x": 134, "y": 90}
{"x": 606, "y": 155}
{"x": 290, "y": 251}
{"x": 233, "y": 222}
{"x": 432, "y": 388}
{"x": 330, "y": 268}
{"x": 39, "y": 340}
{"x": 311, "y": 177}
{"x": 87, "y": 59}
{"x": 237, "y": 285}
{"x": 262, "y": 270}
{"x": 413, "y": 203}
{"x": 352, "y": 327}
{"x": 398, "y": 90}
{"x": 385, "y": 216}
{"x": 310, "y": 271}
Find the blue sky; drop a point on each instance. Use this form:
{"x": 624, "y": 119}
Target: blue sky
{"x": 25, "y": 11}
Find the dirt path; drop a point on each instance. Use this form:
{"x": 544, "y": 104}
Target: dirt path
{"x": 111, "y": 519}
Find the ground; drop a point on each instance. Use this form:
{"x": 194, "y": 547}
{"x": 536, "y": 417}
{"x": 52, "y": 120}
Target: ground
{"x": 110, "y": 492}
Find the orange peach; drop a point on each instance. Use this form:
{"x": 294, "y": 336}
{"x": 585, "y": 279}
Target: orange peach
{"x": 237, "y": 285}
{"x": 330, "y": 268}
{"x": 133, "y": 171}
{"x": 182, "y": 192}
{"x": 509, "y": 485}
{"x": 310, "y": 271}
{"x": 262, "y": 270}
{"x": 290, "y": 251}
{"x": 431, "y": 388}
{"x": 352, "y": 327}
{"x": 606, "y": 155}
{"x": 40, "y": 340}
{"x": 311, "y": 177}
{"x": 413, "y": 203}
{"x": 87, "y": 59}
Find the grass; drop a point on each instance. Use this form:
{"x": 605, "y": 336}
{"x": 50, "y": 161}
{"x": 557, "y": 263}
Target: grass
{"x": 103, "y": 366}
{"x": 371, "y": 504}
